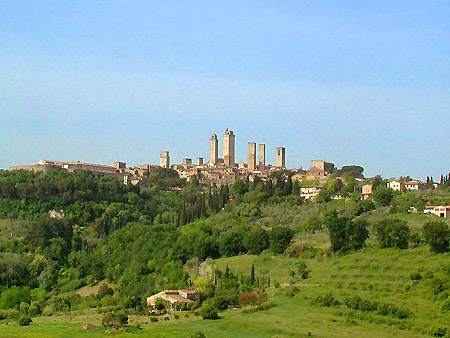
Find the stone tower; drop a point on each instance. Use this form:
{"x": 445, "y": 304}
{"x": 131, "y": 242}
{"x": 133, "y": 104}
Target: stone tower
{"x": 281, "y": 157}
{"x": 261, "y": 156}
{"x": 164, "y": 160}
{"x": 251, "y": 159}
{"x": 228, "y": 148}
{"x": 213, "y": 149}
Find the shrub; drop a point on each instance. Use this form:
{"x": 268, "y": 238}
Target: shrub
{"x": 24, "y": 320}
{"x": 12, "y": 297}
{"x": 437, "y": 286}
{"x": 104, "y": 290}
{"x": 153, "y": 319}
{"x": 326, "y": 300}
{"x": 436, "y": 234}
{"x": 252, "y": 298}
{"x": 303, "y": 270}
{"x": 198, "y": 334}
{"x": 357, "y": 303}
{"x": 208, "y": 311}
{"x": 415, "y": 240}
{"x": 438, "y": 332}
{"x": 445, "y": 307}
{"x": 415, "y": 276}
{"x": 392, "y": 310}
{"x": 116, "y": 320}
{"x": 9, "y": 314}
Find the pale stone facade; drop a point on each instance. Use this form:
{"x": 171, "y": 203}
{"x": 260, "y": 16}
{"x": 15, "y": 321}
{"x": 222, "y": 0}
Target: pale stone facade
{"x": 396, "y": 186}
{"x": 251, "y": 160}
{"x": 261, "y": 156}
{"x": 310, "y": 193}
{"x": 164, "y": 160}
{"x": 228, "y": 148}
{"x": 213, "y": 149}
{"x": 366, "y": 192}
{"x": 281, "y": 157}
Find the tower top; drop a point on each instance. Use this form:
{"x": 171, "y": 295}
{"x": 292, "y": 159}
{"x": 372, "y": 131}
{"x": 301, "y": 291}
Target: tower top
{"x": 213, "y": 136}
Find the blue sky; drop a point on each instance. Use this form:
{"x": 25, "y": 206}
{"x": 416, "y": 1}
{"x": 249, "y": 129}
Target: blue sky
{"x": 351, "y": 82}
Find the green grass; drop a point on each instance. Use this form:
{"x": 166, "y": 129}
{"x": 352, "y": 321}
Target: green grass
{"x": 373, "y": 274}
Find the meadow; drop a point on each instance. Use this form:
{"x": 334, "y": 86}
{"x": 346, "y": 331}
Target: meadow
{"x": 383, "y": 275}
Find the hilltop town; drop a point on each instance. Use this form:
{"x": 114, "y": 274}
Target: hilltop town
{"x": 225, "y": 170}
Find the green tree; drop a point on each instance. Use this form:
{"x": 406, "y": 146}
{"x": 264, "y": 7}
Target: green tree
{"x": 231, "y": 243}
{"x": 345, "y": 234}
{"x": 392, "y": 233}
{"x": 256, "y": 240}
{"x": 383, "y": 195}
{"x": 280, "y": 237}
{"x": 437, "y": 234}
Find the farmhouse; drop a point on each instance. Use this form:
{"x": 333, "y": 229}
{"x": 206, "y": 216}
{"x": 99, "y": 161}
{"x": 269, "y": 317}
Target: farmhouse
{"x": 442, "y": 211}
{"x": 175, "y": 297}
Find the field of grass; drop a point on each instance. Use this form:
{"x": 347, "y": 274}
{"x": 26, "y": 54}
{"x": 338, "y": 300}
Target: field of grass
{"x": 373, "y": 274}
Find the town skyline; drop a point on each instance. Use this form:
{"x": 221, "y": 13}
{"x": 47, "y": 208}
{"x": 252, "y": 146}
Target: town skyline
{"x": 220, "y": 156}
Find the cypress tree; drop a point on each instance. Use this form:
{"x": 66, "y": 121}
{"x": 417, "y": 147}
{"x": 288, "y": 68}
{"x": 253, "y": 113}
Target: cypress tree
{"x": 252, "y": 275}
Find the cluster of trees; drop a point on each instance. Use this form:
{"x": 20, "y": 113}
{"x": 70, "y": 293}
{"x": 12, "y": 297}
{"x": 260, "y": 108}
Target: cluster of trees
{"x": 140, "y": 240}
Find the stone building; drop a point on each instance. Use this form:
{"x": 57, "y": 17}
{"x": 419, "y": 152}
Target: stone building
{"x": 261, "y": 156}
{"x": 187, "y": 162}
{"x": 366, "y": 192}
{"x": 228, "y": 148}
{"x": 213, "y": 149}
{"x": 251, "y": 160}
{"x": 281, "y": 157}
{"x": 164, "y": 160}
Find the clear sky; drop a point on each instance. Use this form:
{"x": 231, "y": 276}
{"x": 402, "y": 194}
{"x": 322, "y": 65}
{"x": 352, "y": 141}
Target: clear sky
{"x": 351, "y": 82}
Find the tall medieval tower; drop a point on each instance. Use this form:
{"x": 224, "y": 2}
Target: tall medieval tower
{"x": 228, "y": 148}
{"x": 213, "y": 149}
{"x": 251, "y": 159}
{"x": 281, "y": 157}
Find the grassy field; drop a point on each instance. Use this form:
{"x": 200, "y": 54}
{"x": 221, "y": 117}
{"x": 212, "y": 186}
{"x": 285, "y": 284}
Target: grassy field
{"x": 373, "y": 274}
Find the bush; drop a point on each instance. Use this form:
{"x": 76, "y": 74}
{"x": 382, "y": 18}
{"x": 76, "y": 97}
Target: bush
{"x": 12, "y": 297}
{"x": 357, "y": 303}
{"x": 24, "y": 320}
{"x": 252, "y": 298}
{"x": 9, "y": 314}
{"x": 415, "y": 276}
{"x": 392, "y": 310}
{"x": 326, "y": 300}
{"x": 198, "y": 334}
{"x": 116, "y": 320}
{"x": 436, "y": 234}
{"x": 437, "y": 286}
{"x": 445, "y": 307}
{"x": 153, "y": 319}
{"x": 104, "y": 290}
{"x": 208, "y": 311}
{"x": 303, "y": 270}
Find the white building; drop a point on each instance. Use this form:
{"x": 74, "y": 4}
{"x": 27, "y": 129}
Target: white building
{"x": 310, "y": 192}
{"x": 442, "y": 211}
{"x": 413, "y": 185}
{"x": 396, "y": 186}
